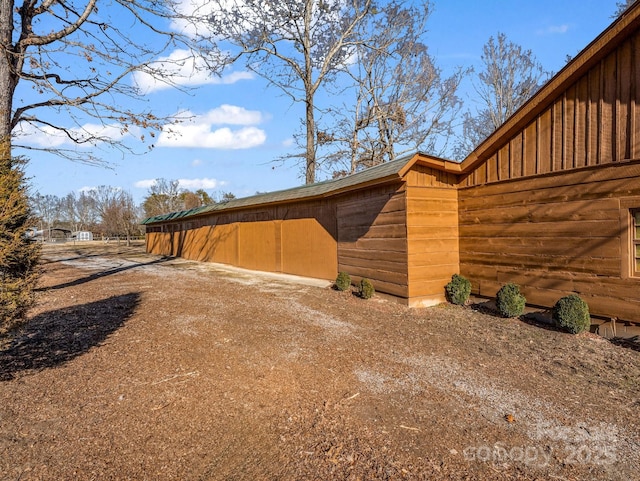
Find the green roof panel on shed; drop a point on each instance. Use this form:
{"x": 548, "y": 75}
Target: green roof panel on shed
{"x": 379, "y": 173}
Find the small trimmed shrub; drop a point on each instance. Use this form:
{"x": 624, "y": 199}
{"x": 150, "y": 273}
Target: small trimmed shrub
{"x": 572, "y": 314}
{"x": 366, "y": 289}
{"x": 458, "y": 290}
{"x": 509, "y": 301}
{"x": 343, "y": 281}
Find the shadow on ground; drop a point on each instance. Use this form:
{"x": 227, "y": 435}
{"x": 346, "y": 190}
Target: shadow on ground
{"x": 56, "y": 337}
{"x": 104, "y": 273}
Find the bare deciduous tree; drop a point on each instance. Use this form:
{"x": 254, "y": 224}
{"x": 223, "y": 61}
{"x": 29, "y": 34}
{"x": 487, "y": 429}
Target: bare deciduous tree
{"x": 46, "y": 209}
{"x": 402, "y": 102}
{"x": 622, "y": 7}
{"x": 163, "y": 196}
{"x": 86, "y": 211}
{"x": 297, "y": 45}
{"x": 120, "y": 215}
{"x": 510, "y": 76}
{"x": 166, "y": 196}
{"x": 65, "y": 72}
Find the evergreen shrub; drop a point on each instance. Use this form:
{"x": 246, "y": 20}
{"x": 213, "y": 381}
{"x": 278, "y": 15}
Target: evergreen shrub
{"x": 571, "y": 313}
{"x": 458, "y": 289}
{"x": 509, "y": 301}
{"x": 343, "y": 281}
{"x": 18, "y": 255}
{"x": 366, "y": 289}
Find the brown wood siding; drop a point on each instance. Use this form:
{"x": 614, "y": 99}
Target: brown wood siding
{"x": 595, "y": 121}
{"x": 553, "y": 235}
{"x": 294, "y": 239}
{"x": 308, "y": 249}
{"x": 372, "y": 238}
{"x": 432, "y": 232}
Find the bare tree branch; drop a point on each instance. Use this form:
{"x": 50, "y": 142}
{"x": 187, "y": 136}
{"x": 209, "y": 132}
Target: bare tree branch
{"x": 510, "y": 76}
{"x": 76, "y": 58}
{"x": 399, "y": 100}
{"x": 298, "y": 46}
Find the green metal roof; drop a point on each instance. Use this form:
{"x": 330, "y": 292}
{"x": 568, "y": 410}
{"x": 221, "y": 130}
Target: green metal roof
{"x": 320, "y": 189}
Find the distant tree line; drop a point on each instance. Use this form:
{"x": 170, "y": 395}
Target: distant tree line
{"x": 112, "y": 212}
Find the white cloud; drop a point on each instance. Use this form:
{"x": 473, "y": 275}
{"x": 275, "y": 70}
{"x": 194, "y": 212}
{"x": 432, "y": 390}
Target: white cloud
{"x": 205, "y": 183}
{"x": 194, "y": 131}
{"x": 145, "y": 183}
{"x": 233, "y": 115}
{"x": 189, "y": 184}
{"x": 202, "y": 137}
{"x": 197, "y": 130}
{"x": 184, "y": 68}
{"x": 196, "y": 162}
{"x": 554, "y": 30}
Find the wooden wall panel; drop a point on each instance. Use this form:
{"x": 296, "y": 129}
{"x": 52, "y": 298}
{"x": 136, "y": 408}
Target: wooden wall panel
{"x": 634, "y": 114}
{"x": 308, "y": 249}
{"x": 259, "y": 246}
{"x": 492, "y": 169}
{"x": 580, "y": 123}
{"x": 157, "y": 243}
{"x": 221, "y": 244}
{"x": 432, "y": 232}
{"x": 503, "y": 156}
{"x": 594, "y": 115}
{"x": 515, "y": 150}
{"x": 609, "y": 85}
{"x": 423, "y": 176}
{"x": 558, "y": 139}
{"x": 545, "y": 156}
{"x": 569, "y": 125}
{"x": 553, "y": 235}
{"x": 530, "y": 149}
{"x": 623, "y": 102}
{"x": 372, "y": 236}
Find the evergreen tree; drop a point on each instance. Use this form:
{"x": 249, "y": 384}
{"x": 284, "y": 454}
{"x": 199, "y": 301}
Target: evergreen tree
{"x": 18, "y": 255}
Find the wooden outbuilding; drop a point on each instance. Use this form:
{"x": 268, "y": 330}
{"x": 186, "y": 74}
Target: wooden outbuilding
{"x": 550, "y": 201}
{"x": 395, "y": 224}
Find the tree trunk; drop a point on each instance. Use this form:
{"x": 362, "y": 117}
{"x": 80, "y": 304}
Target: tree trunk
{"x": 8, "y": 78}
{"x": 310, "y": 92}
{"x": 311, "y": 146}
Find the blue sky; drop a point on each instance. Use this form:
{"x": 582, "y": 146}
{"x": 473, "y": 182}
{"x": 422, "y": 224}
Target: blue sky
{"x": 239, "y": 126}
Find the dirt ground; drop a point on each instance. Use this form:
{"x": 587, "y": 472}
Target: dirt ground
{"x": 137, "y": 367}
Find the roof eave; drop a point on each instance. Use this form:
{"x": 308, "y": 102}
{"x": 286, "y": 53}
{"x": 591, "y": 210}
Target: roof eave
{"x": 432, "y": 162}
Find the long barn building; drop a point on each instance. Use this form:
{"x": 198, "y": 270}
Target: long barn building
{"x": 550, "y": 201}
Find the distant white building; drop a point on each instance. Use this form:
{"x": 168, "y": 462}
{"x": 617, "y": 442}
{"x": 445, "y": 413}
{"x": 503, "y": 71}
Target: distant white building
{"x": 83, "y": 235}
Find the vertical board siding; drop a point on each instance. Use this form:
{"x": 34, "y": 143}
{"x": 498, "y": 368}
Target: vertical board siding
{"x": 634, "y": 114}
{"x": 552, "y": 235}
{"x": 545, "y": 157}
{"x": 580, "y": 123}
{"x": 594, "y": 121}
{"x": 569, "y": 133}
